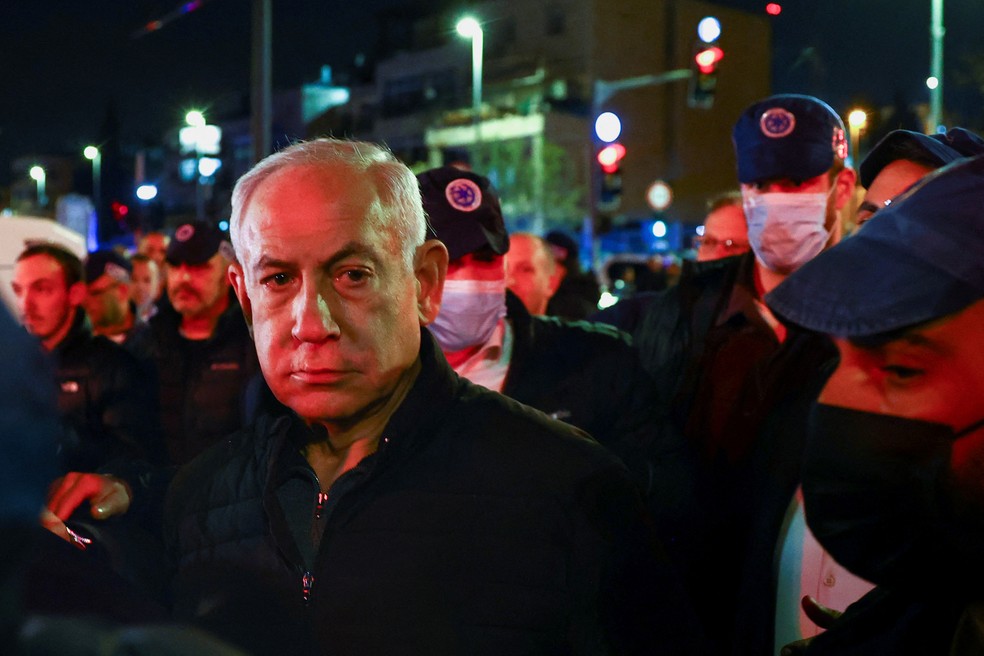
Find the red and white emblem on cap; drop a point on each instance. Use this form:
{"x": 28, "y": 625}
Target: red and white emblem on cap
{"x": 777, "y": 122}
{"x": 185, "y": 232}
{"x": 463, "y": 195}
{"x": 840, "y": 143}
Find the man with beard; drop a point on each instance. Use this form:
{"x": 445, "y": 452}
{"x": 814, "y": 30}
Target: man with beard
{"x": 200, "y": 344}
{"x": 893, "y": 475}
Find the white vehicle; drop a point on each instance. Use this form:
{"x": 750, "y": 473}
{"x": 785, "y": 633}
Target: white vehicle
{"x": 19, "y": 232}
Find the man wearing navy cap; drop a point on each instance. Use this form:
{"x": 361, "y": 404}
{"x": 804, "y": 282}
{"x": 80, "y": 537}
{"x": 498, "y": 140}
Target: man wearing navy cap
{"x": 202, "y": 349}
{"x": 584, "y": 374}
{"x": 903, "y": 157}
{"x": 731, "y": 377}
{"x": 892, "y": 478}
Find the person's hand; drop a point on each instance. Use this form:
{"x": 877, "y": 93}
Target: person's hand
{"x": 107, "y": 495}
{"x": 817, "y": 613}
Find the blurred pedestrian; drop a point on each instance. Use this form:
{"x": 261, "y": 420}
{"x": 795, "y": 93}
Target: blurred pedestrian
{"x": 578, "y": 293}
{"x": 200, "y": 344}
{"x": 584, "y": 374}
{"x": 725, "y": 229}
{"x": 531, "y": 273}
{"x": 146, "y": 282}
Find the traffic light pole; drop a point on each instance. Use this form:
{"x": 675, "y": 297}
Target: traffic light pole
{"x": 603, "y": 90}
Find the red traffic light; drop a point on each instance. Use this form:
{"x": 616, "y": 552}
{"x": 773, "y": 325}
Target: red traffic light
{"x": 707, "y": 59}
{"x": 119, "y": 210}
{"x": 773, "y": 9}
{"x": 610, "y": 156}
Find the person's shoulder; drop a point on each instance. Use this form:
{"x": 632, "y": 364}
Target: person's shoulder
{"x": 228, "y": 462}
{"x": 510, "y": 434}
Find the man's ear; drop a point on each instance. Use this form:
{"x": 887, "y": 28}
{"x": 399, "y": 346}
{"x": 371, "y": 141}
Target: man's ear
{"x": 845, "y": 181}
{"x": 76, "y": 294}
{"x": 430, "y": 269}
{"x": 238, "y": 281}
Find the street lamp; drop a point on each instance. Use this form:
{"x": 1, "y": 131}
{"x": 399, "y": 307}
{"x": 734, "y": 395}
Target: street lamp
{"x": 196, "y": 120}
{"x": 93, "y": 154}
{"x": 470, "y": 28}
{"x": 856, "y": 120}
{"x": 38, "y": 174}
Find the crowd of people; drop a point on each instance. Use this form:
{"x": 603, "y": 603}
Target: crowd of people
{"x": 369, "y": 420}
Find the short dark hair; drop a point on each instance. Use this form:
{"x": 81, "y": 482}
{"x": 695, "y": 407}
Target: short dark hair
{"x": 726, "y": 199}
{"x": 70, "y": 265}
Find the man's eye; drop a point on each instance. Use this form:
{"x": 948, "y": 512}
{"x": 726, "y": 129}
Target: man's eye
{"x": 277, "y": 280}
{"x": 901, "y": 372}
{"x": 354, "y": 276}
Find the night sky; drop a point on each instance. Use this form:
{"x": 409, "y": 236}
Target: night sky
{"x": 64, "y": 62}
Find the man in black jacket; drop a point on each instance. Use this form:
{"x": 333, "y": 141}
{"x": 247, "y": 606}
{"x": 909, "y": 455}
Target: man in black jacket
{"x": 585, "y": 374}
{"x": 393, "y": 507}
{"x": 107, "y": 407}
{"x": 200, "y": 344}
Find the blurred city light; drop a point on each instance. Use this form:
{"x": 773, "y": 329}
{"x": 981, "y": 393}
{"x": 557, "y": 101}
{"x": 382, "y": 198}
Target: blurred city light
{"x": 207, "y": 166}
{"x": 609, "y": 157}
{"x": 468, "y": 27}
{"x": 607, "y": 300}
{"x": 709, "y": 29}
{"x": 932, "y": 82}
{"x": 608, "y": 127}
{"x": 147, "y": 192}
{"x": 195, "y": 119}
{"x": 857, "y": 118}
{"x": 223, "y": 225}
{"x": 659, "y": 229}
{"x": 37, "y": 173}
{"x": 91, "y": 152}
{"x": 773, "y": 9}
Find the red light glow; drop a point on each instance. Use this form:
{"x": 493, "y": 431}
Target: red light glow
{"x": 773, "y": 9}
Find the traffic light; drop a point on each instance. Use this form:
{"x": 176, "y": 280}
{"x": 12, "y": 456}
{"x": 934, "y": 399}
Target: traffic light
{"x": 704, "y": 64}
{"x": 610, "y": 192}
{"x": 119, "y": 211}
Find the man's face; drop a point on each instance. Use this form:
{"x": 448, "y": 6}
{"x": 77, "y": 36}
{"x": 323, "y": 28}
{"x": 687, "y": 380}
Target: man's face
{"x": 46, "y": 305}
{"x": 334, "y": 312}
{"x": 839, "y": 190}
{"x": 144, "y": 282}
{"x": 933, "y": 373}
{"x": 194, "y": 289}
{"x": 891, "y": 181}
{"x": 106, "y": 302}
{"x": 530, "y": 273}
{"x": 725, "y": 234}
{"x": 154, "y": 246}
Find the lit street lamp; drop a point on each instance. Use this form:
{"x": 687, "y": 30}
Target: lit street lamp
{"x": 93, "y": 154}
{"x": 856, "y": 121}
{"x": 470, "y": 28}
{"x": 38, "y": 175}
{"x": 196, "y": 120}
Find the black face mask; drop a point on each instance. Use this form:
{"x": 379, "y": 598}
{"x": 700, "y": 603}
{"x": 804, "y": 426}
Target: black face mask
{"x": 880, "y": 497}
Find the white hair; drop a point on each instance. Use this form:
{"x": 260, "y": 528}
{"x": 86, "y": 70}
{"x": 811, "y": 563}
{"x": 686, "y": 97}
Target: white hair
{"x": 395, "y": 184}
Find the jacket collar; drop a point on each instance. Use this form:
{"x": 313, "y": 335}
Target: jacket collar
{"x": 80, "y": 331}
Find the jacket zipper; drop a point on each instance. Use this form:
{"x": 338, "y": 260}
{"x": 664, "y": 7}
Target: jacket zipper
{"x": 307, "y": 579}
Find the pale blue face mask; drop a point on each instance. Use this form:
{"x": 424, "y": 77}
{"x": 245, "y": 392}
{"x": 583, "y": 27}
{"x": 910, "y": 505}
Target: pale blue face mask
{"x": 470, "y": 311}
{"x": 786, "y": 230}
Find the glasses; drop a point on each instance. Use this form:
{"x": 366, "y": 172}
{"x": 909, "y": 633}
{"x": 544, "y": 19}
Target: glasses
{"x": 728, "y": 245}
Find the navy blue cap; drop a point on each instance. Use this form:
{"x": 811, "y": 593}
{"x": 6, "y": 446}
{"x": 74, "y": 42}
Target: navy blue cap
{"x": 563, "y": 248}
{"x": 196, "y": 242}
{"x": 919, "y": 259}
{"x": 462, "y": 211}
{"x": 109, "y": 262}
{"x": 935, "y": 150}
{"x": 787, "y": 136}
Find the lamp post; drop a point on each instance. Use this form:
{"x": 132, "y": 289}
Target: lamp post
{"x": 936, "y": 31}
{"x": 856, "y": 120}
{"x": 93, "y": 154}
{"x": 196, "y": 120}
{"x": 470, "y": 28}
{"x": 38, "y": 175}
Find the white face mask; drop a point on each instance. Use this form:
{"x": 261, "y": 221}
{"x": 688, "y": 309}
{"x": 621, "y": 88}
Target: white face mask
{"x": 470, "y": 311}
{"x": 786, "y": 230}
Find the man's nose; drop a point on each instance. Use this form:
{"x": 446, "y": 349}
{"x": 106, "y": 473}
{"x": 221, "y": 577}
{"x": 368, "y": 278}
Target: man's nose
{"x": 313, "y": 321}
